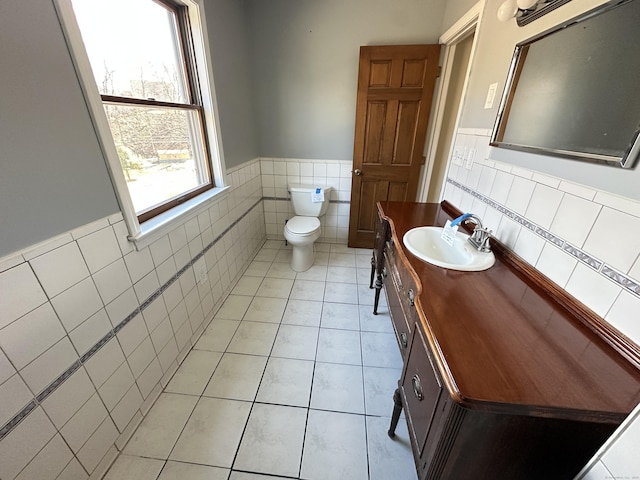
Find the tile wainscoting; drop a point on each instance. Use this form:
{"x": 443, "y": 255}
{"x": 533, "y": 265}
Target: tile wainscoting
{"x": 91, "y": 330}
{"x": 561, "y": 228}
{"x": 277, "y": 173}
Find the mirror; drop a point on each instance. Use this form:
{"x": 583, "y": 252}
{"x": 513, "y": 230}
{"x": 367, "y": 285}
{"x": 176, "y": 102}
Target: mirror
{"x": 572, "y": 91}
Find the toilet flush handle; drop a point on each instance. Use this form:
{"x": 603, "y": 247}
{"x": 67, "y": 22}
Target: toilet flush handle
{"x": 358, "y": 172}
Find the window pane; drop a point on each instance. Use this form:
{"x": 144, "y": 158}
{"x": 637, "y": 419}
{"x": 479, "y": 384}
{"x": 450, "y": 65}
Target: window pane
{"x": 133, "y": 48}
{"x": 160, "y": 151}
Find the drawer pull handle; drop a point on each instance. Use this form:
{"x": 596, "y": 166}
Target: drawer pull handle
{"x": 403, "y": 340}
{"x": 411, "y": 296}
{"x": 417, "y": 387}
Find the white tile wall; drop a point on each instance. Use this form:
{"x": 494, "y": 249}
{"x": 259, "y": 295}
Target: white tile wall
{"x": 31, "y": 335}
{"x": 49, "y": 462}
{"x": 581, "y": 216}
{"x": 100, "y": 248}
{"x": 584, "y": 218}
{"x": 77, "y": 303}
{"x": 59, "y": 269}
{"x": 277, "y": 173}
{"x": 44, "y": 369}
{"x": 64, "y": 296}
{"x": 6, "y": 369}
{"x": 24, "y": 442}
{"x": 21, "y": 293}
{"x": 14, "y": 394}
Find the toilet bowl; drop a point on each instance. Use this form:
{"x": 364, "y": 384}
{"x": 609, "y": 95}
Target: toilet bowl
{"x": 302, "y": 230}
{"x": 301, "y": 233}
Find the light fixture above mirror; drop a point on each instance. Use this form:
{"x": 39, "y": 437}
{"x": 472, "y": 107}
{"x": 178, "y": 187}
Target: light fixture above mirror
{"x": 526, "y": 11}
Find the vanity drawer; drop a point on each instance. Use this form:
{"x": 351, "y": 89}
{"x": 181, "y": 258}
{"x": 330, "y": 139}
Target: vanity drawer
{"x": 398, "y": 319}
{"x": 400, "y": 298}
{"x": 422, "y": 389}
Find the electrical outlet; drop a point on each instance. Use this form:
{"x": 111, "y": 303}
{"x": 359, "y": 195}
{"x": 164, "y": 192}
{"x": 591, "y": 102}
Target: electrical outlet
{"x": 458, "y": 155}
{"x": 471, "y": 156}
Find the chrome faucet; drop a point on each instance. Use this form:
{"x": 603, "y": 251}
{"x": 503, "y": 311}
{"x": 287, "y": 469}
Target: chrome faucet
{"x": 480, "y": 236}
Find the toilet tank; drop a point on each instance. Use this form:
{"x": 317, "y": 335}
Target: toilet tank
{"x": 301, "y": 199}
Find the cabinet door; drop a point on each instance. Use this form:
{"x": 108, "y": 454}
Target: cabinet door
{"x": 421, "y": 391}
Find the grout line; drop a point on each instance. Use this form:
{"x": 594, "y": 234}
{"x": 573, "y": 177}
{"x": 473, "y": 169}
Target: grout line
{"x": 254, "y": 401}
{"x": 364, "y": 396}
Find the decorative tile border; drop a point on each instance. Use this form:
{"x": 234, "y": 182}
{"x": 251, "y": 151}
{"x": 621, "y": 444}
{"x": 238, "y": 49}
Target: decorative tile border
{"x": 599, "y": 266}
{"x": 550, "y": 237}
{"x": 582, "y": 256}
{"x": 11, "y": 424}
{"x": 622, "y": 280}
{"x": 22, "y": 414}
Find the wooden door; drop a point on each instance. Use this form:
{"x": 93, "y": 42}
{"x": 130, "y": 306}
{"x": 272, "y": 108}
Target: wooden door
{"x": 395, "y": 89}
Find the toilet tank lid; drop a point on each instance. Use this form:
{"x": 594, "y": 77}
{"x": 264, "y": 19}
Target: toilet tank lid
{"x": 299, "y": 187}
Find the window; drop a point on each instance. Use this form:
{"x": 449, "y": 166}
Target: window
{"x": 141, "y": 57}
{"x": 145, "y": 71}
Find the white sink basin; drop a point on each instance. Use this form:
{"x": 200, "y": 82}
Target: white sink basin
{"x": 426, "y": 244}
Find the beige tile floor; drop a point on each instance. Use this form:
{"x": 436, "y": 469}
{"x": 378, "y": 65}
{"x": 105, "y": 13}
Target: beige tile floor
{"x": 293, "y": 379}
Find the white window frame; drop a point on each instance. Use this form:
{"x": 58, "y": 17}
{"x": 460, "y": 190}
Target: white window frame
{"x": 143, "y": 234}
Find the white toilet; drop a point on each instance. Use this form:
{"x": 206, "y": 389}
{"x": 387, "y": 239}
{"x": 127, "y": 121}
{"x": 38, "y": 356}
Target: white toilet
{"x": 304, "y": 229}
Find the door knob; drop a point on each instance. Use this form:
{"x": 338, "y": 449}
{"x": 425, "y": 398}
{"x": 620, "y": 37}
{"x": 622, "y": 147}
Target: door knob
{"x": 358, "y": 172}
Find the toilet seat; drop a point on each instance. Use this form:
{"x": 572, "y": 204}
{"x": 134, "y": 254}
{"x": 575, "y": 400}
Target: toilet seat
{"x": 302, "y": 226}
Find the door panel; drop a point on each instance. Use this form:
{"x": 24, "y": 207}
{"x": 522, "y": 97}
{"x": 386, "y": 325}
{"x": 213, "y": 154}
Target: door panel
{"x": 380, "y": 74}
{"x": 376, "y": 116}
{"x": 405, "y": 132}
{"x": 413, "y": 73}
{"x": 397, "y": 192}
{"x": 371, "y": 191}
{"x": 395, "y": 88}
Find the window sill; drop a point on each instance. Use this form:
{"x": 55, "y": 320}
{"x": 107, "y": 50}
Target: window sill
{"x": 161, "y": 225}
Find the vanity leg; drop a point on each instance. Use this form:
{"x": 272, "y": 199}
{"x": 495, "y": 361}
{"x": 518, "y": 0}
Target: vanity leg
{"x": 373, "y": 270}
{"x": 376, "y": 299}
{"x": 397, "y": 409}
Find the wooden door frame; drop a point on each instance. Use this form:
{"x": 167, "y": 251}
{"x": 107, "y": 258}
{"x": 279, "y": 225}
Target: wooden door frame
{"x": 465, "y": 25}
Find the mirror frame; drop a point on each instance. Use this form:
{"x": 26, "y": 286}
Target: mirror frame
{"x": 632, "y": 153}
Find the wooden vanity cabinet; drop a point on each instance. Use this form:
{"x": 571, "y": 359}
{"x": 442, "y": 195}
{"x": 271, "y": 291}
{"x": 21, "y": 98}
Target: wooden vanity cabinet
{"x": 474, "y": 409}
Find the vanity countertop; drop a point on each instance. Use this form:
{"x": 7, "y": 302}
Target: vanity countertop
{"x": 502, "y": 343}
